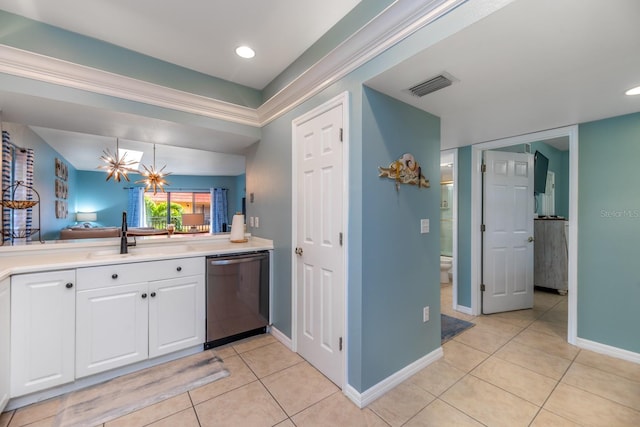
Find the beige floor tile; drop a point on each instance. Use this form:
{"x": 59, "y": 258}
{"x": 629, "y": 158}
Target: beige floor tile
{"x": 549, "y": 419}
{"x": 298, "y": 387}
{"x": 552, "y": 345}
{"x": 604, "y": 384}
{"x": 5, "y": 417}
{"x": 610, "y": 364}
{"x": 588, "y": 409}
{"x": 286, "y": 423}
{"x": 489, "y": 404}
{"x": 247, "y": 406}
{"x": 550, "y": 328}
{"x": 225, "y": 351}
{"x": 270, "y": 358}
{"x": 397, "y": 406}
{"x": 522, "y": 318}
{"x": 36, "y": 412}
{"x": 533, "y": 359}
{"x": 239, "y": 375}
{"x": 437, "y": 377}
{"x": 555, "y": 317}
{"x": 337, "y": 410}
{"x": 153, "y": 413}
{"x": 482, "y": 339}
{"x": 498, "y": 326}
{"x": 462, "y": 356}
{"x": 441, "y": 414}
{"x": 253, "y": 343}
{"x": 46, "y": 422}
{"x": 515, "y": 379}
{"x": 186, "y": 418}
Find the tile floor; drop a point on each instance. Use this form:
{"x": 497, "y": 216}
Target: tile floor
{"x": 511, "y": 369}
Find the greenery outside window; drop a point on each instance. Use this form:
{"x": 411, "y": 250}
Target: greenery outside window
{"x": 167, "y": 208}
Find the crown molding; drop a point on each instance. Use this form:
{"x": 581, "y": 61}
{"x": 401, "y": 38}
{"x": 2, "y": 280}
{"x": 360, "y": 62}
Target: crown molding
{"x": 401, "y": 19}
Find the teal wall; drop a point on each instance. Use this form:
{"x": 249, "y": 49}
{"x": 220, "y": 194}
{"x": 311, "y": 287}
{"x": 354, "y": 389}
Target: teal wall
{"x": 559, "y": 164}
{"x": 609, "y": 232}
{"x": 464, "y": 226}
{"x": 109, "y": 198}
{"x": 401, "y": 267}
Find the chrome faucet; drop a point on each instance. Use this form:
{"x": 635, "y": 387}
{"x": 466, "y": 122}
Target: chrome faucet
{"x": 124, "y": 241}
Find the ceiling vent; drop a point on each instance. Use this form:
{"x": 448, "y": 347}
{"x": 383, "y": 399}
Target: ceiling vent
{"x": 432, "y": 85}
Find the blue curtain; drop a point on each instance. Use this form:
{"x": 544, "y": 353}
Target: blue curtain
{"x": 135, "y": 207}
{"x": 219, "y": 209}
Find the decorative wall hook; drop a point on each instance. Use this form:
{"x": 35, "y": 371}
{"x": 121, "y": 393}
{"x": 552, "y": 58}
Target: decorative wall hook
{"x": 405, "y": 170}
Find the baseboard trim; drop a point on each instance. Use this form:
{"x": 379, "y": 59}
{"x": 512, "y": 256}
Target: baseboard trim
{"x": 285, "y": 340}
{"x": 373, "y": 393}
{"x": 608, "y": 350}
{"x": 463, "y": 309}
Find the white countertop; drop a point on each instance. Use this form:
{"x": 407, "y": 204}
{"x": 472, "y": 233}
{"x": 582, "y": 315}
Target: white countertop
{"x": 58, "y": 255}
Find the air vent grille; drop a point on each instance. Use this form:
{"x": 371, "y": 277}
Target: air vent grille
{"x": 430, "y": 86}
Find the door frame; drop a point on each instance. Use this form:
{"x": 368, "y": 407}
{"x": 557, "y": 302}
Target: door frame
{"x": 341, "y": 99}
{"x": 476, "y": 212}
{"x": 454, "y": 250}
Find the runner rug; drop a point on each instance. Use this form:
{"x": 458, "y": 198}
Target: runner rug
{"x": 117, "y": 397}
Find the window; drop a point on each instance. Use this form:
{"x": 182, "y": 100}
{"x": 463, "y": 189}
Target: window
{"x": 168, "y": 208}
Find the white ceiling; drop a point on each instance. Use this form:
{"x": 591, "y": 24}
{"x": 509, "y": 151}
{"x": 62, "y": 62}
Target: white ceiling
{"x": 201, "y": 35}
{"x": 532, "y": 65}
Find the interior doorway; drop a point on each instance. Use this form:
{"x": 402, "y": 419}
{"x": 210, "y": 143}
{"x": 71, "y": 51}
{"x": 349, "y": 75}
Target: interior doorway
{"x": 571, "y": 133}
{"x": 449, "y": 224}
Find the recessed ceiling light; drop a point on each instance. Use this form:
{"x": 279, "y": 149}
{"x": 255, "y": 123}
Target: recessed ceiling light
{"x": 245, "y": 52}
{"x": 633, "y": 91}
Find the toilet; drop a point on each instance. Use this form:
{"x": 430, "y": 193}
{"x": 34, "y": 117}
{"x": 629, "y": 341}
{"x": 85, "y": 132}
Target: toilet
{"x": 446, "y": 262}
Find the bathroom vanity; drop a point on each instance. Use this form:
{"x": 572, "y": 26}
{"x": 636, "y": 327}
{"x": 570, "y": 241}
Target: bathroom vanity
{"x": 82, "y": 313}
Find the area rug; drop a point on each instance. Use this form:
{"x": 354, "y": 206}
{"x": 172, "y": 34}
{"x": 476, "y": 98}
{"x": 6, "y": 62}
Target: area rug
{"x": 452, "y": 327}
{"x": 117, "y": 397}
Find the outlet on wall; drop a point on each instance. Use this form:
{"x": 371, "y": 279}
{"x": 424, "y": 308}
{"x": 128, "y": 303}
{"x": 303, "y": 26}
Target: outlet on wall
{"x": 257, "y": 222}
{"x": 425, "y": 314}
{"x": 250, "y": 221}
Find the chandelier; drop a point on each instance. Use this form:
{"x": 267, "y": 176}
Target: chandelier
{"x": 154, "y": 178}
{"x": 117, "y": 166}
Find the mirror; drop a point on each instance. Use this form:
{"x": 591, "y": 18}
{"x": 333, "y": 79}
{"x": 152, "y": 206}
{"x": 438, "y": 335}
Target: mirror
{"x": 84, "y": 187}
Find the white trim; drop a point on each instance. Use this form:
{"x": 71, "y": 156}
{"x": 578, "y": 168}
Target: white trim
{"x": 43, "y": 68}
{"x": 285, "y": 340}
{"x": 372, "y": 393}
{"x": 476, "y": 206}
{"x": 398, "y": 21}
{"x": 454, "y": 222}
{"x": 608, "y": 350}
{"x": 463, "y": 309}
{"x": 342, "y": 99}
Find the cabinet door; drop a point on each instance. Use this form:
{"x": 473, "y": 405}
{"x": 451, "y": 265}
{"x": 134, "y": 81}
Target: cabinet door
{"x": 111, "y": 328}
{"x": 42, "y": 330}
{"x": 176, "y": 314}
{"x": 5, "y": 341}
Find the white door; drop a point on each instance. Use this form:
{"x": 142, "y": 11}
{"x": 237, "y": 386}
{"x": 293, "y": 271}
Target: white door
{"x": 508, "y": 209}
{"x": 320, "y": 261}
{"x": 42, "y": 330}
{"x": 176, "y": 314}
{"x": 111, "y": 328}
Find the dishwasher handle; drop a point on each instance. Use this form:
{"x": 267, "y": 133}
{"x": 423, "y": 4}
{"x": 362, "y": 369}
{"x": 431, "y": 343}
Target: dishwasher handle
{"x": 229, "y": 261}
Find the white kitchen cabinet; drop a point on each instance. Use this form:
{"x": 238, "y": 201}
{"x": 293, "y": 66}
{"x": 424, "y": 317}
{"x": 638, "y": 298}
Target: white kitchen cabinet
{"x": 176, "y": 314}
{"x": 130, "y": 312}
{"x": 5, "y": 341}
{"x": 42, "y": 330}
{"x": 111, "y": 327}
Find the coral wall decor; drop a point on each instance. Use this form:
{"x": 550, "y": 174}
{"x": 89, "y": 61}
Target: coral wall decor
{"x": 405, "y": 170}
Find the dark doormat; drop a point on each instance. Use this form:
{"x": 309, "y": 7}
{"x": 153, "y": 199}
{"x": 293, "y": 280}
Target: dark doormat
{"x": 452, "y": 327}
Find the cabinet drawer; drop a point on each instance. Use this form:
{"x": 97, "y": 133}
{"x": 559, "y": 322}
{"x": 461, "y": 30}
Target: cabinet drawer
{"x": 136, "y": 272}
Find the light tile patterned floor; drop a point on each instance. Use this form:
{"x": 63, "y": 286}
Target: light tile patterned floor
{"x": 511, "y": 369}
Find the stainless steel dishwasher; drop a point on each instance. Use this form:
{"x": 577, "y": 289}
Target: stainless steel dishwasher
{"x": 237, "y": 297}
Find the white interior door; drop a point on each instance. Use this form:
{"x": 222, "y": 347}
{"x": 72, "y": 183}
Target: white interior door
{"x": 508, "y": 209}
{"x": 319, "y": 264}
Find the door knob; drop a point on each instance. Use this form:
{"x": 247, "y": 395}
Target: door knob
{"x": 299, "y": 251}
{"x": 530, "y": 239}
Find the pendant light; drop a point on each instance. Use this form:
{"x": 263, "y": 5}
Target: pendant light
{"x": 116, "y": 166}
{"x": 154, "y": 178}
